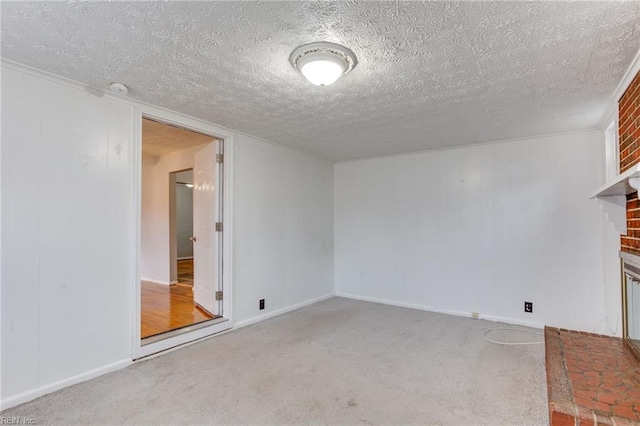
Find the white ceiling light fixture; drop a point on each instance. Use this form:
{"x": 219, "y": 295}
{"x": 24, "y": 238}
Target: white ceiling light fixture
{"x": 322, "y": 63}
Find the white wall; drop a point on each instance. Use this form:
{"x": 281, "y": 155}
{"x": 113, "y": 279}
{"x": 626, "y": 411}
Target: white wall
{"x": 283, "y": 225}
{"x": 184, "y": 215}
{"x": 68, "y": 228}
{"x": 66, "y": 233}
{"x": 156, "y": 236}
{"x": 481, "y": 229}
{"x": 184, "y": 221}
{"x": 472, "y": 229}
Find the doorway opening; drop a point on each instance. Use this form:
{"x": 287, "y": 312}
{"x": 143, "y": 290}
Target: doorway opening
{"x": 182, "y": 205}
{"x": 181, "y": 232}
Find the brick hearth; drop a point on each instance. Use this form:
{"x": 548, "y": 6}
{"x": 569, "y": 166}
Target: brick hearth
{"x": 591, "y": 379}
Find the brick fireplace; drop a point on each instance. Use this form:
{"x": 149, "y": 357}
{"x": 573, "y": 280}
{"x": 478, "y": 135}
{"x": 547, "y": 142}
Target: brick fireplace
{"x": 629, "y": 133}
{"x": 594, "y": 379}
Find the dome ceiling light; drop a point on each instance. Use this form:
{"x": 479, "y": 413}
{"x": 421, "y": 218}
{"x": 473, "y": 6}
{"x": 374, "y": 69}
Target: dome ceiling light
{"x": 322, "y": 63}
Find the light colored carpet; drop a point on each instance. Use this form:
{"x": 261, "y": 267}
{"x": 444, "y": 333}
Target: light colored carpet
{"x": 336, "y": 362}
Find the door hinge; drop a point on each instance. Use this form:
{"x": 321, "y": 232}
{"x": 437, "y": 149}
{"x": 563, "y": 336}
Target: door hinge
{"x": 218, "y": 226}
{"x": 219, "y": 158}
{"x": 218, "y": 295}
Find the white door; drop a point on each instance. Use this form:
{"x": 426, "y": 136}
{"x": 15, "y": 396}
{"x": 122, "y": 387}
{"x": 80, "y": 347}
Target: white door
{"x": 205, "y": 252}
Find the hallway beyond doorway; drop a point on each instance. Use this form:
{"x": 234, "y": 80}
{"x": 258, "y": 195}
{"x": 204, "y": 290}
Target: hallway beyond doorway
{"x": 166, "y": 308}
{"x": 185, "y": 272}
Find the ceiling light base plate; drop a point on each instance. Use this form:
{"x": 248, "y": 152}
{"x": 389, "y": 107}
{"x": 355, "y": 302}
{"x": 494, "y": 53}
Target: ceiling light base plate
{"x": 322, "y": 63}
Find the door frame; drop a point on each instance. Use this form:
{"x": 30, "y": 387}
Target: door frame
{"x": 190, "y": 334}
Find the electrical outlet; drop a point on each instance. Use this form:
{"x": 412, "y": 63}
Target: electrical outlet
{"x": 475, "y": 315}
{"x": 528, "y": 307}
{"x": 261, "y": 304}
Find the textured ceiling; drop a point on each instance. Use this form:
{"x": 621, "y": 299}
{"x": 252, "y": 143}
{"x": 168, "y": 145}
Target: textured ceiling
{"x": 430, "y": 75}
{"x": 160, "y": 139}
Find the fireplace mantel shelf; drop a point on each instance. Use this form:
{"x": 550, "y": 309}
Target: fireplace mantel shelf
{"x": 619, "y": 185}
{"x": 613, "y": 200}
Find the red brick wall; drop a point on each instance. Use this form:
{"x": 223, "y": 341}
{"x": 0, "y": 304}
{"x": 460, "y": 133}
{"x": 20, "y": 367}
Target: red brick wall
{"x": 629, "y": 131}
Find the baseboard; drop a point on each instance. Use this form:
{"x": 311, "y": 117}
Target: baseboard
{"x": 493, "y": 318}
{"x": 185, "y": 258}
{"x": 156, "y": 281}
{"x": 282, "y": 311}
{"x": 513, "y": 321}
{"x": 43, "y": 390}
{"x": 386, "y": 302}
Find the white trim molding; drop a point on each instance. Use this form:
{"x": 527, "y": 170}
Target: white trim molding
{"x": 103, "y": 92}
{"x": 151, "y": 280}
{"x": 44, "y": 390}
{"x": 629, "y": 75}
{"x": 442, "y": 311}
{"x": 277, "y": 312}
{"x": 169, "y": 117}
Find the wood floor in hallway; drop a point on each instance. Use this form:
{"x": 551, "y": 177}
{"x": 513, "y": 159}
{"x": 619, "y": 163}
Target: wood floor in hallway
{"x": 185, "y": 271}
{"x": 166, "y": 308}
